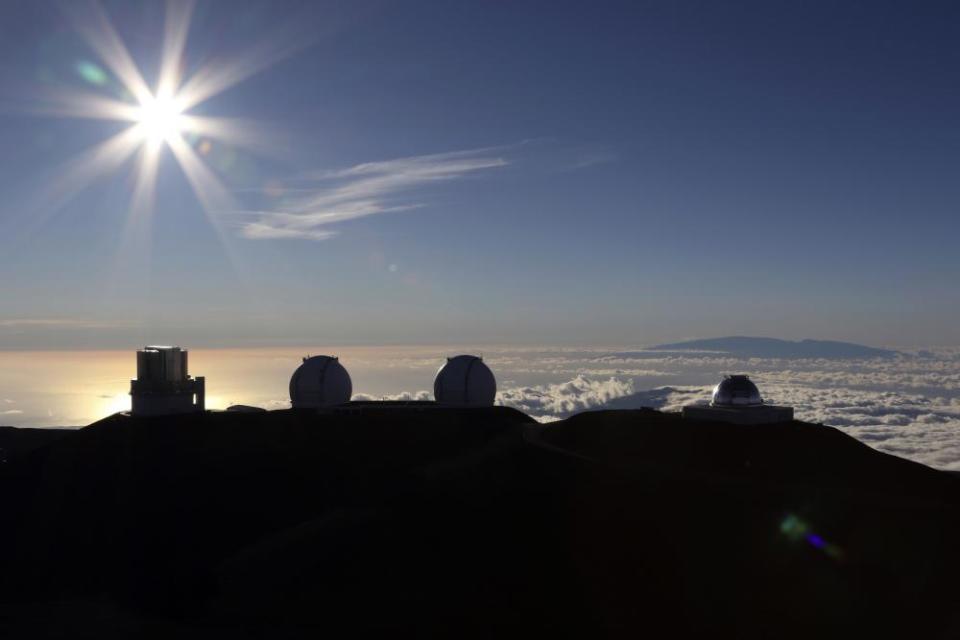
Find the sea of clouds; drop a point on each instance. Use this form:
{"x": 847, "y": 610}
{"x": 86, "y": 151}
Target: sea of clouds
{"x": 908, "y": 405}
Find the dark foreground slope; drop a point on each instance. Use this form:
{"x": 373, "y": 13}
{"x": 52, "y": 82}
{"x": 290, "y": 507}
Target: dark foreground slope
{"x": 15, "y": 442}
{"x": 287, "y": 524}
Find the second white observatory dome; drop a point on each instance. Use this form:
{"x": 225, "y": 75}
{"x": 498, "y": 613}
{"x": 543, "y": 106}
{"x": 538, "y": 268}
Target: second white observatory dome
{"x": 465, "y": 381}
{"x": 321, "y": 381}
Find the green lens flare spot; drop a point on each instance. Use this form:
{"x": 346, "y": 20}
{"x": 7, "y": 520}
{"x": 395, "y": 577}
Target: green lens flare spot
{"x": 92, "y": 73}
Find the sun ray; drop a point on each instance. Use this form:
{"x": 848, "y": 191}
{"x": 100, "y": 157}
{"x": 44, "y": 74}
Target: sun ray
{"x": 76, "y": 175}
{"x": 176, "y": 29}
{"x": 93, "y": 24}
{"x": 221, "y": 74}
{"x": 159, "y": 118}
{"x": 206, "y": 186}
{"x": 81, "y": 171}
{"x": 143, "y": 199}
{"x": 75, "y": 103}
{"x": 133, "y": 252}
{"x": 213, "y": 196}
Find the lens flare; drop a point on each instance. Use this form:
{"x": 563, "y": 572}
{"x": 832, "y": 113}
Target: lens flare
{"x": 92, "y": 73}
{"x": 158, "y": 118}
{"x": 796, "y": 529}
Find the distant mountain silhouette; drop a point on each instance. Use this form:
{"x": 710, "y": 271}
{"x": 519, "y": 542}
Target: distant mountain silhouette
{"x": 750, "y": 347}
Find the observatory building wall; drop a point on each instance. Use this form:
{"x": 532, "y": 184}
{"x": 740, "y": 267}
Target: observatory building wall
{"x": 465, "y": 381}
{"x": 737, "y": 400}
{"x": 320, "y": 381}
{"x": 766, "y": 414}
{"x": 163, "y": 386}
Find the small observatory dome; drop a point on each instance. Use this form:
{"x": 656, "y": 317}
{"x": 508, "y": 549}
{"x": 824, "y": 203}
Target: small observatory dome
{"x": 736, "y": 391}
{"x": 321, "y": 381}
{"x": 465, "y": 381}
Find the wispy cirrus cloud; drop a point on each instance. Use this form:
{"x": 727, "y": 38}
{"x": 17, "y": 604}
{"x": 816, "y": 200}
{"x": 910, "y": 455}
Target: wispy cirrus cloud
{"x": 366, "y": 189}
{"x": 55, "y": 323}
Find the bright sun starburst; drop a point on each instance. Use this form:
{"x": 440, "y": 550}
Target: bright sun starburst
{"x": 160, "y": 119}
{"x": 157, "y": 118}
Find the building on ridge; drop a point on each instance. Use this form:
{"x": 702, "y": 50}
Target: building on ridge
{"x": 320, "y": 382}
{"x": 163, "y": 386}
{"x": 465, "y": 381}
{"x": 737, "y": 400}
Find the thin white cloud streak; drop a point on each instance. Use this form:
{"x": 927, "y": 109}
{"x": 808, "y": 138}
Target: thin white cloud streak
{"x": 264, "y": 231}
{"x": 593, "y": 159}
{"x": 57, "y": 323}
{"x": 362, "y": 190}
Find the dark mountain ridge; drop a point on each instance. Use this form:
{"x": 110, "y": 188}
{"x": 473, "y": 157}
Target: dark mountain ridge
{"x": 477, "y": 522}
{"x": 20, "y": 441}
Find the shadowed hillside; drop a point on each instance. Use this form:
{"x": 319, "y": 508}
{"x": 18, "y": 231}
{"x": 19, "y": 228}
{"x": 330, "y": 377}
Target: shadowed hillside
{"x": 473, "y": 523}
{"x": 16, "y": 442}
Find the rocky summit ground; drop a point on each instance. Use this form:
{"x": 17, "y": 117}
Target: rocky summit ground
{"x": 432, "y": 521}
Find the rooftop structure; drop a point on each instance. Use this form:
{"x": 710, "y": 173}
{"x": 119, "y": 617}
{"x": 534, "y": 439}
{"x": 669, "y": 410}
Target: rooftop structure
{"x": 163, "y": 385}
{"x": 736, "y": 391}
{"x": 737, "y": 400}
{"x": 321, "y": 381}
{"x": 465, "y": 381}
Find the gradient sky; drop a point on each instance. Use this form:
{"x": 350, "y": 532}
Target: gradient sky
{"x": 498, "y": 172}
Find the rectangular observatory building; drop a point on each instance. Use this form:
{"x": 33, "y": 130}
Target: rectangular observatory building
{"x": 163, "y": 385}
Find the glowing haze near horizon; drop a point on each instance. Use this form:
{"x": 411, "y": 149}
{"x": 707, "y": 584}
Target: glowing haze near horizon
{"x": 356, "y": 174}
{"x": 906, "y": 405}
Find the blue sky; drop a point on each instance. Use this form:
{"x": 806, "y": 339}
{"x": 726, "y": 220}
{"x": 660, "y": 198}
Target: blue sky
{"x": 522, "y": 172}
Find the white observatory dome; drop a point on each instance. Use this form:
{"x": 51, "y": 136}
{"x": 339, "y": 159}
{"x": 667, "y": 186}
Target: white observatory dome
{"x": 736, "y": 391}
{"x": 321, "y": 381}
{"x": 465, "y": 381}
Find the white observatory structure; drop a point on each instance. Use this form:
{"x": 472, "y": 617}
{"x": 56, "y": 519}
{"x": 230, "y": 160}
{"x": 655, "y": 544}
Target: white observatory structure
{"x": 737, "y": 400}
{"x": 465, "y": 381}
{"x": 321, "y": 381}
{"x": 163, "y": 386}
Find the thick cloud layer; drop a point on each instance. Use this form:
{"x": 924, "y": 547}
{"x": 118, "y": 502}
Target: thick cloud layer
{"x": 908, "y": 406}
{"x": 905, "y": 405}
{"x": 555, "y": 401}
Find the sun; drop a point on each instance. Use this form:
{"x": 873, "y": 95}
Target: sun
{"x": 160, "y": 119}
{"x": 157, "y": 118}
